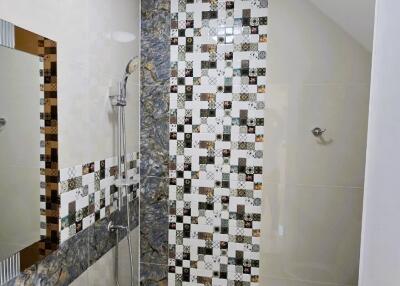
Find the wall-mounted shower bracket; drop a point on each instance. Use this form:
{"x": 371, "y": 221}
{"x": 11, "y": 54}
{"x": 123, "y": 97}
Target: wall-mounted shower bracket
{"x": 124, "y": 182}
{"x": 117, "y": 100}
{"x": 111, "y": 227}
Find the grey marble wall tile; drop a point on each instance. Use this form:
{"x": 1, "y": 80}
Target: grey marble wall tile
{"x": 153, "y": 275}
{"x": 161, "y": 5}
{"x": 155, "y": 42}
{"x": 154, "y": 101}
{"x": 156, "y": 21}
{"x": 154, "y": 131}
{"x": 154, "y": 163}
{"x": 134, "y": 219}
{"x": 155, "y": 24}
{"x": 155, "y": 76}
{"x": 154, "y": 148}
{"x": 100, "y": 239}
{"x": 155, "y": 69}
{"x": 60, "y": 267}
{"x": 154, "y": 220}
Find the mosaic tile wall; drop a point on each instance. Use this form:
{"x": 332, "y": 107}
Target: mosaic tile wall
{"x": 217, "y": 90}
{"x": 88, "y": 193}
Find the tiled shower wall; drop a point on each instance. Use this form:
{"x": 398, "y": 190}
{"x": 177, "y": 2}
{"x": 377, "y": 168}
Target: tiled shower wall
{"x": 155, "y": 67}
{"x": 217, "y": 90}
{"x": 88, "y": 193}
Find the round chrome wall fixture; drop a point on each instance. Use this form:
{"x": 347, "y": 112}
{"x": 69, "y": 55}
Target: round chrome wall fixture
{"x": 3, "y": 122}
{"x": 317, "y": 132}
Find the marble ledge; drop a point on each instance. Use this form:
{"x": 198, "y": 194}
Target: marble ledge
{"x": 77, "y": 254}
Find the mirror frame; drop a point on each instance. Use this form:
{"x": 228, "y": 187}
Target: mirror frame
{"x": 46, "y": 50}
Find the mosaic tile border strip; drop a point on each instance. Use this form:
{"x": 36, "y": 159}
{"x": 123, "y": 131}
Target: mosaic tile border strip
{"x": 43, "y": 227}
{"x": 88, "y": 192}
{"x": 218, "y": 84}
{"x": 49, "y": 198}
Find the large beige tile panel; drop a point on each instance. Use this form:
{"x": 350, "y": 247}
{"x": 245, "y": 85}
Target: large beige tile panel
{"x": 319, "y": 77}
{"x": 268, "y": 281}
{"x": 338, "y": 157}
{"x": 102, "y": 272}
{"x": 124, "y": 271}
{"x": 293, "y": 155}
{"x": 276, "y": 133}
{"x": 311, "y": 233}
{"x": 306, "y": 46}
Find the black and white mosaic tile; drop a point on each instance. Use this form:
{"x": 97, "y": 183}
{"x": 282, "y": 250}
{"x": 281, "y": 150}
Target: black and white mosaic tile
{"x": 88, "y": 192}
{"x": 217, "y": 89}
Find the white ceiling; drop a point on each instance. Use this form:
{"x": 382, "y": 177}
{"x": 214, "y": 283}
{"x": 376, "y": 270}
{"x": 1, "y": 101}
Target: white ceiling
{"x": 354, "y": 16}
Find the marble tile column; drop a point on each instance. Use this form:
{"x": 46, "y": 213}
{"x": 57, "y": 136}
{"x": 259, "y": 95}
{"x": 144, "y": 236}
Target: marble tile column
{"x": 154, "y": 147}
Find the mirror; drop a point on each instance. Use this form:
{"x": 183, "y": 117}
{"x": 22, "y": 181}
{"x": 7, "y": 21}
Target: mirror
{"x": 19, "y": 111}
{"x": 29, "y": 199}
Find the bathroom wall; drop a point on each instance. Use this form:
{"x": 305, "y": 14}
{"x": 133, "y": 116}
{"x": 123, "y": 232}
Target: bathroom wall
{"x": 20, "y": 105}
{"x": 93, "y": 50}
{"x": 380, "y": 252}
{"x": 313, "y": 189}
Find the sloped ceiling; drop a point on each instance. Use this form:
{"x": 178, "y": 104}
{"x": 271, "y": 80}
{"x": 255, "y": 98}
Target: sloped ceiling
{"x": 356, "y": 17}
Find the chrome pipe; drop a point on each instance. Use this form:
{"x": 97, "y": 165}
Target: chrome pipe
{"x": 119, "y": 101}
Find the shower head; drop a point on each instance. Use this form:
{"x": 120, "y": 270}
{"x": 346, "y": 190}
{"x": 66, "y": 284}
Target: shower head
{"x": 132, "y": 66}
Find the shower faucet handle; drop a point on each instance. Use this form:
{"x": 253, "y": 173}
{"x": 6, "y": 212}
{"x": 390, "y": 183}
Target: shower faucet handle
{"x": 317, "y": 131}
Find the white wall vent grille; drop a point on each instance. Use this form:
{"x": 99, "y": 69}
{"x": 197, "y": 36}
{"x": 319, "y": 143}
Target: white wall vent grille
{"x": 7, "y": 34}
{"x": 9, "y": 268}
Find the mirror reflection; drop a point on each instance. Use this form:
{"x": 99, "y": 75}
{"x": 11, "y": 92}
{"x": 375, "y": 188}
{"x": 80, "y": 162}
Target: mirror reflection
{"x": 19, "y": 150}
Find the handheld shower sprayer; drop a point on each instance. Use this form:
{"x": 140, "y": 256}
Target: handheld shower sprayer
{"x": 122, "y": 180}
{"x": 131, "y": 67}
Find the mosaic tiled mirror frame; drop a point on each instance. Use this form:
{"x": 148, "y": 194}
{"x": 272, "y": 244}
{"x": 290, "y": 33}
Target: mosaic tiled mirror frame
{"x": 46, "y": 50}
